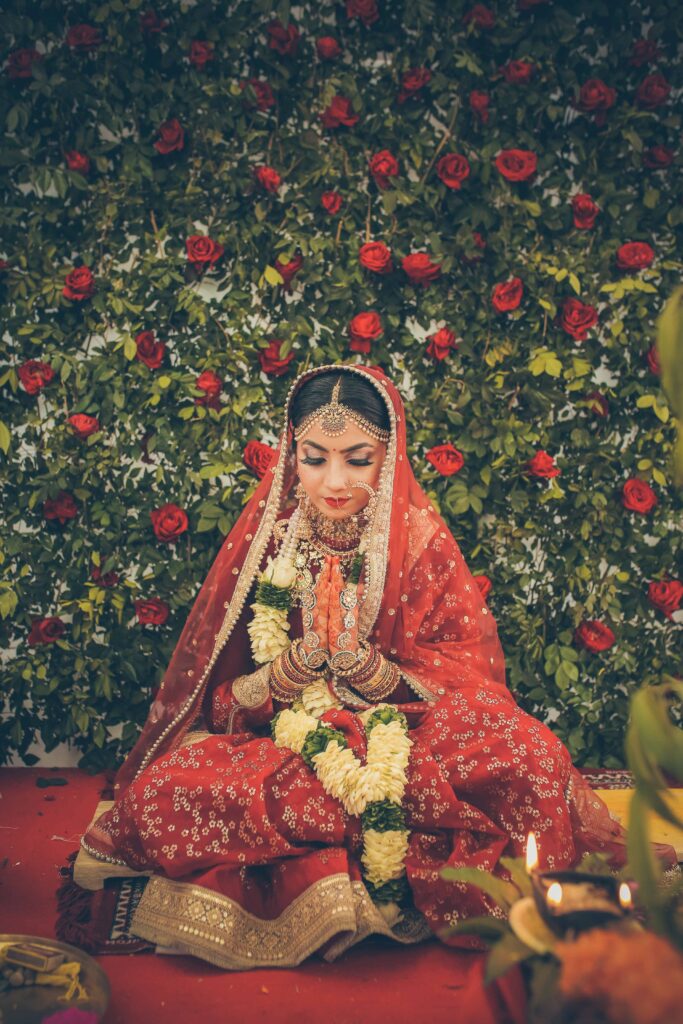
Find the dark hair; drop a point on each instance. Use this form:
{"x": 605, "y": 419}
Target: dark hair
{"x": 360, "y": 395}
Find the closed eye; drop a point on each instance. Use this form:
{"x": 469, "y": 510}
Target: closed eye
{"x": 308, "y": 461}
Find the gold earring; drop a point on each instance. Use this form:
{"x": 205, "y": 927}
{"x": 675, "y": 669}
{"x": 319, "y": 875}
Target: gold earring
{"x": 300, "y": 491}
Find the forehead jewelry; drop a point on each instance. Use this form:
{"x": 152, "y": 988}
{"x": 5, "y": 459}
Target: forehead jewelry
{"x": 332, "y": 420}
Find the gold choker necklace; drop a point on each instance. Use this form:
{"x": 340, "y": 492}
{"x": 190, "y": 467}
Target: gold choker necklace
{"x": 340, "y": 534}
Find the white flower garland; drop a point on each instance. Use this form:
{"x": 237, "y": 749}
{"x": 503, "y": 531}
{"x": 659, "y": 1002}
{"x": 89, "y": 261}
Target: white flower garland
{"x": 381, "y": 778}
{"x": 268, "y": 630}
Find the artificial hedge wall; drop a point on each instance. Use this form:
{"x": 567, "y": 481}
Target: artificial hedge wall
{"x": 202, "y": 200}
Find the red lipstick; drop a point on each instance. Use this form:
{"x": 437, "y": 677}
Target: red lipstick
{"x": 336, "y": 502}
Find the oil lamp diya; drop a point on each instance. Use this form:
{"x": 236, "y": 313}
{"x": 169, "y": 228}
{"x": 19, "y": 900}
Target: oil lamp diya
{"x": 576, "y": 900}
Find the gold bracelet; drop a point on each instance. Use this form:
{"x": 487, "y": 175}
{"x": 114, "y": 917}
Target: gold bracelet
{"x": 281, "y": 686}
{"x": 382, "y": 683}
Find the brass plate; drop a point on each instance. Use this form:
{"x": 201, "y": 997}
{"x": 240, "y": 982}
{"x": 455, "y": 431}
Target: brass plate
{"x": 28, "y": 1005}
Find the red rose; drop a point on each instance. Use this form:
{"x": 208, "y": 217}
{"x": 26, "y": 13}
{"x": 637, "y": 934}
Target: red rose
{"x": 284, "y": 40}
{"x": 657, "y": 158}
{"x": 151, "y": 23}
{"x": 267, "y": 178}
{"x": 109, "y": 579}
{"x": 364, "y": 328}
{"x": 634, "y": 256}
{"x": 594, "y": 95}
{"x": 171, "y": 136}
{"x": 652, "y": 92}
{"x": 644, "y": 51}
{"x": 262, "y": 90}
{"x": 20, "y": 62}
{"x": 339, "y": 112}
{"x": 481, "y": 15}
{"x": 441, "y": 343}
{"x": 209, "y": 382}
{"x": 168, "y": 522}
{"x": 479, "y": 104}
{"x": 289, "y": 269}
{"x": 34, "y": 375}
{"x": 419, "y": 268}
{"x": 151, "y": 612}
{"x": 83, "y": 37}
{"x": 653, "y": 360}
{"x": 595, "y": 636}
{"x": 412, "y": 81}
{"x": 331, "y": 201}
{"x": 585, "y": 211}
{"x": 543, "y": 465}
{"x": 666, "y": 596}
{"x": 76, "y": 161}
{"x": 83, "y": 425}
{"x": 376, "y": 256}
{"x": 149, "y": 351}
{"x": 516, "y": 164}
{"x": 62, "y": 507}
{"x": 45, "y": 631}
{"x": 478, "y": 240}
{"x": 271, "y": 361}
{"x": 484, "y": 584}
{"x": 79, "y": 284}
{"x": 383, "y": 165}
{"x": 638, "y": 496}
{"x": 328, "y": 48}
{"x": 202, "y": 251}
{"x": 453, "y": 169}
{"x": 577, "y": 319}
{"x": 507, "y": 295}
{"x": 518, "y": 72}
{"x": 211, "y": 385}
{"x": 365, "y": 10}
{"x": 598, "y": 403}
{"x": 258, "y": 457}
{"x": 446, "y": 459}
{"x": 201, "y": 53}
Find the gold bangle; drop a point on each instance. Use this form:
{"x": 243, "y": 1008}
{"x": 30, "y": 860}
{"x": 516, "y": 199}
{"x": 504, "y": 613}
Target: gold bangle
{"x": 281, "y": 685}
{"x": 382, "y": 683}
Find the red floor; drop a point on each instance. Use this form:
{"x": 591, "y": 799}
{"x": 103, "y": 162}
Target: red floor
{"x": 374, "y": 981}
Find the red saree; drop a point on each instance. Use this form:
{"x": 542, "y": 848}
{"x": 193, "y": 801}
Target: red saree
{"x": 252, "y": 863}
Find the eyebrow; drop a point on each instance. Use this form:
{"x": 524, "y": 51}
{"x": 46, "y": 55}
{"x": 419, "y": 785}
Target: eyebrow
{"x": 353, "y": 448}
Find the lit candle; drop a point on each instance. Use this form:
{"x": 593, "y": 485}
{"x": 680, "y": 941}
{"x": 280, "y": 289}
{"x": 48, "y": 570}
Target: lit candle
{"x": 625, "y": 897}
{"x": 531, "y": 853}
{"x": 554, "y": 894}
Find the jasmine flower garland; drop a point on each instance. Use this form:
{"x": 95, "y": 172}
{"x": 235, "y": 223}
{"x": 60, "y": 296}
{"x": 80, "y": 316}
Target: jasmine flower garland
{"x": 373, "y": 791}
{"x": 268, "y": 630}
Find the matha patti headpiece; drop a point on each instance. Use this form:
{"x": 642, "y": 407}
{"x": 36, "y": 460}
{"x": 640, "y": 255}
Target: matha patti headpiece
{"x": 332, "y": 420}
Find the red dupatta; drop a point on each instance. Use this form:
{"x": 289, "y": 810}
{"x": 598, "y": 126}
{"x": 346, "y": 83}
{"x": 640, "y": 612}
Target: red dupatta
{"x": 422, "y": 607}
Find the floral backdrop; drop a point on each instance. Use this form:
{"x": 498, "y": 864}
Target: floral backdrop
{"x": 201, "y": 200}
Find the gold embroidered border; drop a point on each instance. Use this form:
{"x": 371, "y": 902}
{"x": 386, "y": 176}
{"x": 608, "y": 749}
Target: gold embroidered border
{"x": 194, "y": 920}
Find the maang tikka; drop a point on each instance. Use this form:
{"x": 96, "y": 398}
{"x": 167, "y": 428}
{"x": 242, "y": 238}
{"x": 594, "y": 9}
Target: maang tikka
{"x": 332, "y": 420}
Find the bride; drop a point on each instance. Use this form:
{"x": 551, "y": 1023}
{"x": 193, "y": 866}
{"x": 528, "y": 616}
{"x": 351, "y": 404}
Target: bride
{"x": 334, "y": 726}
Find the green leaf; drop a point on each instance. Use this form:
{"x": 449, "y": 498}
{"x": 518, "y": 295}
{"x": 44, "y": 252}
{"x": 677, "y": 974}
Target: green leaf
{"x": 504, "y": 955}
{"x": 130, "y": 348}
{"x": 273, "y": 276}
{"x": 504, "y": 893}
{"x": 5, "y": 438}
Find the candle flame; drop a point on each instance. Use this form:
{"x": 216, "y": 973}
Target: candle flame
{"x": 625, "y": 897}
{"x": 554, "y": 894}
{"x": 531, "y": 853}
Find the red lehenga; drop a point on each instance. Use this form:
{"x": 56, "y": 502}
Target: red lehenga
{"x": 252, "y": 863}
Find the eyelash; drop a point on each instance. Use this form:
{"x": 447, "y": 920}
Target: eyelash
{"x": 307, "y": 461}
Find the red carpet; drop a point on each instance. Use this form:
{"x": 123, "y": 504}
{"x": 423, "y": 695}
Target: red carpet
{"x": 374, "y": 981}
